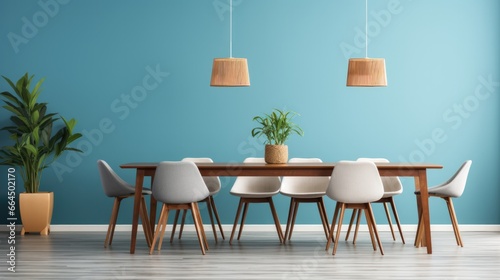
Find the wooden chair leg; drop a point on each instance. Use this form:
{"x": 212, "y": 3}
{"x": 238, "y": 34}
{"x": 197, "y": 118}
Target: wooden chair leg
{"x": 353, "y": 215}
{"x": 277, "y": 221}
{"x": 198, "y": 226}
{"x": 295, "y": 210}
{"x": 243, "y": 218}
{"x": 370, "y": 228}
{"x": 334, "y": 220}
{"x": 396, "y": 217}
{"x": 112, "y": 222}
{"x": 339, "y": 227}
{"x": 374, "y": 225}
{"x": 356, "y": 230}
{"x": 322, "y": 214}
{"x": 389, "y": 220}
{"x": 212, "y": 201}
{"x": 236, "y": 221}
{"x": 174, "y": 226}
{"x": 181, "y": 230}
{"x": 289, "y": 219}
{"x": 114, "y": 216}
{"x": 210, "y": 215}
{"x": 202, "y": 228}
{"x": 161, "y": 223}
{"x": 454, "y": 221}
{"x": 165, "y": 220}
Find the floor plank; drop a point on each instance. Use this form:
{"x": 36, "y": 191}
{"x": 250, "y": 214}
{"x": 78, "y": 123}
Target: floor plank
{"x": 258, "y": 255}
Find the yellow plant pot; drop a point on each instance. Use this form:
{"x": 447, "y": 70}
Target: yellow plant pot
{"x": 276, "y": 154}
{"x": 36, "y": 211}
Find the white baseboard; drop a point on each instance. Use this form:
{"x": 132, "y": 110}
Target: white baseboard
{"x": 255, "y": 228}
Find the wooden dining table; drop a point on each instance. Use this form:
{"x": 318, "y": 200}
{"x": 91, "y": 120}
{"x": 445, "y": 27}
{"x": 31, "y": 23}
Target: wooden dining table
{"x": 416, "y": 170}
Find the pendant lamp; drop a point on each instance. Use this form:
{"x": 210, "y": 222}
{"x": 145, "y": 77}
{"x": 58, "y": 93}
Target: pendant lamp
{"x": 230, "y": 71}
{"x": 366, "y": 72}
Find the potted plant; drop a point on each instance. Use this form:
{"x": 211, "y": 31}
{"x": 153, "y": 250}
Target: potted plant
{"x": 276, "y": 127}
{"x": 34, "y": 147}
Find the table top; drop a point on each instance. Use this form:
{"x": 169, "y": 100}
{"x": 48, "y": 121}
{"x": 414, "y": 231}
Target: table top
{"x": 288, "y": 169}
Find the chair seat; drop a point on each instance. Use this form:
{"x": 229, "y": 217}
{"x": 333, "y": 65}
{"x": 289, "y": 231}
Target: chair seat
{"x": 437, "y": 192}
{"x": 255, "y": 194}
{"x": 440, "y": 191}
{"x": 145, "y": 191}
{"x": 304, "y": 195}
{"x": 392, "y": 193}
{"x": 214, "y": 192}
{"x": 128, "y": 189}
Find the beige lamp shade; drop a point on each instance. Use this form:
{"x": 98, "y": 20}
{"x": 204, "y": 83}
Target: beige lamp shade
{"x": 230, "y": 72}
{"x": 366, "y": 72}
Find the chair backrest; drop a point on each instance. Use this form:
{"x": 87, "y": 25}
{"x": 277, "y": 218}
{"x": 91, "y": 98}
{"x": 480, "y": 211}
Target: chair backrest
{"x": 391, "y": 184}
{"x": 455, "y": 186}
{"x": 112, "y": 184}
{"x": 249, "y": 184}
{"x": 304, "y": 184}
{"x": 212, "y": 182}
{"x": 355, "y": 182}
{"x": 178, "y": 182}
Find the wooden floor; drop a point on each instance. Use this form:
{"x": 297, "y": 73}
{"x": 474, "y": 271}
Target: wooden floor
{"x": 258, "y": 255}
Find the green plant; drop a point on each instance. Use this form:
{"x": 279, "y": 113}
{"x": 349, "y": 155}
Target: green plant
{"x": 34, "y": 147}
{"x": 276, "y": 127}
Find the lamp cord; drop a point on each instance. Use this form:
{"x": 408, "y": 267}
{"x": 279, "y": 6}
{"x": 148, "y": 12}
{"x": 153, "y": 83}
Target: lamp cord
{"x": 231, "y": 28}
{"x": 366, "y": 28}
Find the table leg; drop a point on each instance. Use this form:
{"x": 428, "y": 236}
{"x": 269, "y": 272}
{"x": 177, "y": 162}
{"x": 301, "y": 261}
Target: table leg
{"x": 421, "y": 184}
{"x": 139, "y": 180}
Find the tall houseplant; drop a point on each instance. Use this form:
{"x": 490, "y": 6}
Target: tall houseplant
{"x": 277, "y": 128}
{"x": 34, "y": 143}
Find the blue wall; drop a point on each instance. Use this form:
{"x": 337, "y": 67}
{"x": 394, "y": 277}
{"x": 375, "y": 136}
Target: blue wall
{"x": 98, "y": 58}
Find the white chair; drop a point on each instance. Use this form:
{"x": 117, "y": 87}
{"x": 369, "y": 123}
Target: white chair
{"x": 354, "y": 185}
{"x": 255, "y": 190}
{"x": 116, "y": 187}
{"x": 392, "y": 187}
{"x": 214, "y": 186}
{"x": 304, "y": 190}
{"x": 452, "y": 188}
{"x": 179, "y": 186}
